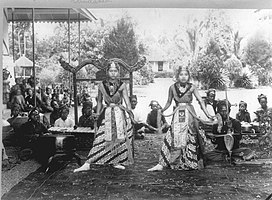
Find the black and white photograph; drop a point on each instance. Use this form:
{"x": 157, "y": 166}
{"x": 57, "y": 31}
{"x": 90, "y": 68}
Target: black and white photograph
{"x": 105, "y": 99}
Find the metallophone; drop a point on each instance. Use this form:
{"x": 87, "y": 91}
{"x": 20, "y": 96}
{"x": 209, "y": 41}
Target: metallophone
{"x": 71, "y": 130}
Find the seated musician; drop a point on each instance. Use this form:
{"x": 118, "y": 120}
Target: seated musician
{"x": 227, "y": 125}
{"x": 152, "y": 119}
{"x": 210, "y": 100}
{"x": 15, "y": 112}
{"x": 264, "y": 111}
{"x": 243, "y": 115}
{"x": 87, "y": 119}
{"x": 64, "y": 120}
{"x": 139, "y": 127}
{"x": 31, "y": 131}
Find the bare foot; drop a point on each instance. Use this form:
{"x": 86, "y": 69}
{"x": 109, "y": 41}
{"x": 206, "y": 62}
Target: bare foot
{"x": 119, "y": 167}
{"x": 84, "y": 167}
{"x": 158, "y": 167}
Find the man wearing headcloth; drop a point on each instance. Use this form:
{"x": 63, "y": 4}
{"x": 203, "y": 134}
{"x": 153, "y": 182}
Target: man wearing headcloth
{"x": 227, "y": 125}
{"x": 31, "y": 131}
{"x": 86, "y": 120}
{"x": 152, "y": 118}
{"x": 210, "y": 100}
{"x": 139, "y": 126}
{"x": 264, "y": 111}
{"x": 264, "y": 117}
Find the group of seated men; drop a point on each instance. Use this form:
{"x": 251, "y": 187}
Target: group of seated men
{"x": 263, "y": 117}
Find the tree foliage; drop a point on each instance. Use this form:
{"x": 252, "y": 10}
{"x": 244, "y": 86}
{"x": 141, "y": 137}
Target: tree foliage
{"x": 258, "y": 54}
{"x": 121, "y": 42}
{"x": 208, "y": 68}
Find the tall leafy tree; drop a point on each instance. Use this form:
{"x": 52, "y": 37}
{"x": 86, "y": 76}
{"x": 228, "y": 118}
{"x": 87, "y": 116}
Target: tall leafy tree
{"x": 208, "y": 68}
{"x": 121, "y": 42}
{"x": 258, "y": 54}
{"x": 22, "y": 40}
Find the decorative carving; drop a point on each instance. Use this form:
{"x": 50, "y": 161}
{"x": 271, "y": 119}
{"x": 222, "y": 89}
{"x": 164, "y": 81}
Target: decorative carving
{"x": 102, "y": 64}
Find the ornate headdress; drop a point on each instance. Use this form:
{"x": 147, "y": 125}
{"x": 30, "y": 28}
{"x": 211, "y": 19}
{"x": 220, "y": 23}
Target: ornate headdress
{"x": 113, "y": 64}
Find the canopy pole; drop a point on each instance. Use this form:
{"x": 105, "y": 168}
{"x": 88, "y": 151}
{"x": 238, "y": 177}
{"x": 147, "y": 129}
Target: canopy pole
{"x": 13, "y": 43}
{"x": 74, "y": 74}
{"x": 131, "y": 83}
{"x": 69, "y": 52}
{"x": 33, "y": 55}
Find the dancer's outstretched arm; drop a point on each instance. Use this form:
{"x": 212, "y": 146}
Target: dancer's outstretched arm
{"x": 169, "y": 100}
{"x": 201, "y": 102}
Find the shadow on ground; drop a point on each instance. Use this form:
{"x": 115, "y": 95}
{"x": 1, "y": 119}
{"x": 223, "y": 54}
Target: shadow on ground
{"x": 104, "y": 182}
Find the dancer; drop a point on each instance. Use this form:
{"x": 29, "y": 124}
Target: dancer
{"x": 113, "y": 140}
{"x": 181, "y": 148}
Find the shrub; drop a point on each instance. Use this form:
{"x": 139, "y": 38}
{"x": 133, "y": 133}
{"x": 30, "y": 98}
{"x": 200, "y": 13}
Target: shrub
{"x": 243, "y": 81}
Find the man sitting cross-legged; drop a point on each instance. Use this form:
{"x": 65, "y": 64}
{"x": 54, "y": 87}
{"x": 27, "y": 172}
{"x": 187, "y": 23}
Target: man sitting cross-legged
{"x": 227, "y": 125}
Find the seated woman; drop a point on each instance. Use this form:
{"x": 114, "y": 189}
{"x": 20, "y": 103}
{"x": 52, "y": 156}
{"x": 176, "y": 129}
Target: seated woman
{"x": 243, "y": 115}
{"x": 87, "y": 119}
{"x": 64, "y": 121}
{"x": 30, "y": 133}
{"x": 154, "y": 121}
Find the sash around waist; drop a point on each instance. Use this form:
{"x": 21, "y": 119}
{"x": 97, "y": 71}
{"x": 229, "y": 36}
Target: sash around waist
{"x": 113, "y": 104}
{"x": 184, "y": 104}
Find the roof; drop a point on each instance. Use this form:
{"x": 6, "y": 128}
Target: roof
{"x": 157, "y": 54}
{"x": 23, "y": 62}
{"x": 50, "y": 14}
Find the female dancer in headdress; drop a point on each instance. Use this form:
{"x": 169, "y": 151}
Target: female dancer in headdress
{"x": 181, "y": 148}
{"x": 113, "y": 140}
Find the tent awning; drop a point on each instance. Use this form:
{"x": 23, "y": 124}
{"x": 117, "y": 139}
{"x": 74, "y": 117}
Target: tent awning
{"x": 50, "y": 14}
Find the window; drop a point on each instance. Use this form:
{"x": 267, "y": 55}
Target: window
{"x": 28, "y": 71}
{"x": 160, "y": 66}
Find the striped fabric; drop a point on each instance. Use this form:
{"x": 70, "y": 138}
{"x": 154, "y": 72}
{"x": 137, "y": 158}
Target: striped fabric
{"x": 180, "y": 153}
{"x": 116, "y": 151}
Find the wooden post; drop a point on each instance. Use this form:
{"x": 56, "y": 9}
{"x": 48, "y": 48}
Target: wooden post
{"x": 131, "y": 83}
{"x": 33, "y": 55}
{"x": 75, "y": 98}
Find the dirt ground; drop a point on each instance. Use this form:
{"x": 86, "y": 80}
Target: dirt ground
{"x": 216, "y": 181}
